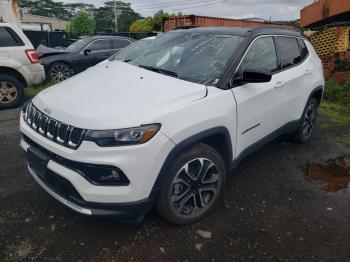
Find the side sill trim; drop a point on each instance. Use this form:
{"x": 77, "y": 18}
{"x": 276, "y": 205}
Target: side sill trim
{"x": 287, "y": 128}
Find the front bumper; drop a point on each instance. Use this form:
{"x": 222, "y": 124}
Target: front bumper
{"x": 141, "y": 164}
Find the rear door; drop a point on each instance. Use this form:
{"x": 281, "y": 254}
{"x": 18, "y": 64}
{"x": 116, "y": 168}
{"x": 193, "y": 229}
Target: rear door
{"x": 12, "y": 48}
{"x": 294, "y": 77}
{"x": 258, "y": 112}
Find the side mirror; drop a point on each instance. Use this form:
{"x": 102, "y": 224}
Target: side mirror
{"x": 255, "y": 76}
{"x": 87, "y": 51}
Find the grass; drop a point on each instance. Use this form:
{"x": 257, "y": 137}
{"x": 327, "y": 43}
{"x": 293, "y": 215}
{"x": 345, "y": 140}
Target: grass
{"x": 338, "y": 113}
{"x": 30, "y": 92}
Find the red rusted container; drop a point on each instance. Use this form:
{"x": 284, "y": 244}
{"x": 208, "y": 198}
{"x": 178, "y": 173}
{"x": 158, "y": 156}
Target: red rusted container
{"x": 170, "y": 23}
{"x": 323, "y": 10}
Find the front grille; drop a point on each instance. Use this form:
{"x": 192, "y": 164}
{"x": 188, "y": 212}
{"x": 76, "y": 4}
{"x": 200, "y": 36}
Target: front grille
{"x": 52, "y": 129}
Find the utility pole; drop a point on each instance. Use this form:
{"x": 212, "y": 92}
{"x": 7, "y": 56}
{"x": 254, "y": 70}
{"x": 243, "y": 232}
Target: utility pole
{"x": 115, "y": 17}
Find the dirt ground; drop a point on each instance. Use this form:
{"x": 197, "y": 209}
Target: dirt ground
{"x": 272, "y": 212}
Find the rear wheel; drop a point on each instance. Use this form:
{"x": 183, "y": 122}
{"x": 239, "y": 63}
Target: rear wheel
{"x": 11, "y": 91}
{"x": 307, "y": 123}
{"x": 59, "y": 72}
{"x": 194, "y": 186}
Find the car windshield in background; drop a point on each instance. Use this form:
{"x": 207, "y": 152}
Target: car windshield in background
{"x": 195, "y": 57}
{"x": 78, "y": 45}
{"x": 133, "y": 51}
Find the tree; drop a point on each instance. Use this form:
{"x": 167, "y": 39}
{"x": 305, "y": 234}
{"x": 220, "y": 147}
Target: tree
{"x": 81, "y": 25}
{"x": 151, "y": 23}
{"x": 104, "y": 16}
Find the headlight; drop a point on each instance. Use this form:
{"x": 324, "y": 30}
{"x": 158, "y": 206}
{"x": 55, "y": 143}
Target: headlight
{"x": 122, "y": 137}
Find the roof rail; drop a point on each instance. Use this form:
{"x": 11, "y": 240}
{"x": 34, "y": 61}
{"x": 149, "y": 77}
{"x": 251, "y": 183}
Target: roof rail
{"x": 276, "y": 28}
{"x": 185, "y": 27}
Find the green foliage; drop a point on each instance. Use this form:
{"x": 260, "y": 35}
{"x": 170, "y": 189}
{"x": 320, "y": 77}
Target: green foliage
{"x": 337, "y": 93}
{"x": 103, "y": 16}
{"x": 81, "y": 25}
{"x": 151, "y": 23}
{"x": 144, "y": 25}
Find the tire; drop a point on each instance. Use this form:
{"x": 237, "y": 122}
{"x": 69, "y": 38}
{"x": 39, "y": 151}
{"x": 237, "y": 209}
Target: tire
{"x": 306, "y": 126}
{"x": 59, "y": 71}
{"x": 11, "y": 91}
{"x": 187, "y": 197}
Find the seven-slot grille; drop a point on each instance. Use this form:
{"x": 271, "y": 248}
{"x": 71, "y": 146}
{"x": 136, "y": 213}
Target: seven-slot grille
{"x": 54, "y": 130}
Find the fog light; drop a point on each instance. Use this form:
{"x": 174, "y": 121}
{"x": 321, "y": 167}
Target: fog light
{"x": 101, "y": 175}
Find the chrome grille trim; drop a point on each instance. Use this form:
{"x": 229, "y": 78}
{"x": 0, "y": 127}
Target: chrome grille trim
{"x": 52, "y": 129}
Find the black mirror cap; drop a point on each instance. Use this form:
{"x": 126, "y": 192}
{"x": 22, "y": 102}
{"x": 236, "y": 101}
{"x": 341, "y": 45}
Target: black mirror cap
{"x": 255, "y": 76}
{"x": 87, "y": 51}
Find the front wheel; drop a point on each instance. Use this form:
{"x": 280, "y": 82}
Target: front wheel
{"x": 193, "y": 187}
{"x": 307, "y": 122}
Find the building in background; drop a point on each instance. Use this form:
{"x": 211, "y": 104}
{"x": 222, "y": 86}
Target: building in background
{"x": 9, "y": 12}
{"x": 42, "y": 23}
{"x": 330, "y": 20}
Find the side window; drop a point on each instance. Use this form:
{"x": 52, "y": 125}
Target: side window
{"x": 261, "y": 55}
{"x": 119, "y": 43}
{"x": 100, "y": 45}
{"x": 290, "y": 52}
{"x": 7, "y": 39}
{"x": 303, "y": 49}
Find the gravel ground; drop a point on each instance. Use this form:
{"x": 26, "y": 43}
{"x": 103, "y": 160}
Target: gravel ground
{"x": 271, "y": 212}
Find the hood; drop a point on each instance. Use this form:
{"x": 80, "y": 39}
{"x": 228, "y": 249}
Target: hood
{"x": 44, "y": 51}
{"x": 116, "y": 95}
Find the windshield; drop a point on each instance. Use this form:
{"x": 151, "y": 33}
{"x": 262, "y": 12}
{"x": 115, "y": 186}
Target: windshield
{"x": 133, "y": 51}
{"x": 78, "y": 45}
{"x": 196, "y": 57}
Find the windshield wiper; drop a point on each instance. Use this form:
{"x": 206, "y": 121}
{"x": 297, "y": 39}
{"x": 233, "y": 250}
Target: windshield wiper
{"x": 159, "y": 70}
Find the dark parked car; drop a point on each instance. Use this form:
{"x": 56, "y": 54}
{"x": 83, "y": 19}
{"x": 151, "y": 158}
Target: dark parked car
{"x": 62, "y": 64}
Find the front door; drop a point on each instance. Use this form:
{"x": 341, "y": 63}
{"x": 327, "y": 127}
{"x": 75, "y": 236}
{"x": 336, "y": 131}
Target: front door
{"x": 258, "y": 109}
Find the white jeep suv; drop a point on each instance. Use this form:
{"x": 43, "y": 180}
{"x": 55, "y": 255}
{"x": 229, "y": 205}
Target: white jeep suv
{"x": 165, "y": 129}
{"x": 19, "y": 65}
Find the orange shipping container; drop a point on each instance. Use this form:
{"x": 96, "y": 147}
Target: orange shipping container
{"x": 170, "y": 23}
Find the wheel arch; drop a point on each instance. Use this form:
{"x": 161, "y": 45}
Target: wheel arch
{"x": 58, "y": 61}
{"x": 217, "y": 137}
{"x": 317, "y": 93}
{"x": 15, "y": 73}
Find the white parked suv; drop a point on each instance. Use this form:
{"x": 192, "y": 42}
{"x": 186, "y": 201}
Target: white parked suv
{"x": 19, "y": 65}
{"x": 165, "y": 129}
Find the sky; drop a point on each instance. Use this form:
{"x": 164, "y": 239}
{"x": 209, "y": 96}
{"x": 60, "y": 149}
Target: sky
{"x": 275, "y": 9}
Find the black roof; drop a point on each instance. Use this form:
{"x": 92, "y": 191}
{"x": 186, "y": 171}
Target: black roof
{"x": 243, "y": 31}
{"x": 109, "y": 36}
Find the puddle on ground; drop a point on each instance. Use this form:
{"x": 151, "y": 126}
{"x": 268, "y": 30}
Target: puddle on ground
{"x": 335, "y": 173}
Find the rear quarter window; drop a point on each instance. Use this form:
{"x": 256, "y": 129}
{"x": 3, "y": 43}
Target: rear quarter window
{"x": 289, "y": 51}
{"x": 120, "y": 43}
{"x": 9, "y": 38}
{"x": 303, "y": 49}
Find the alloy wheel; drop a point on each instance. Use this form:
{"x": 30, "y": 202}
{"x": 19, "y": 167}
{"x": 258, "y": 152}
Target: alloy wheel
{"x": 194, "y": 187}
{"x": 8, "y": 92}
{"x": 60, "y": 72}
{"x": 309, "y": 120}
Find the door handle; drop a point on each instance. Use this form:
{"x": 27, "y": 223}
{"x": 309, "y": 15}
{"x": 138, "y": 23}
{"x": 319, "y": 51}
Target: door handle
{"x": 308, "y": 71}
{"x": 279, "y": 85}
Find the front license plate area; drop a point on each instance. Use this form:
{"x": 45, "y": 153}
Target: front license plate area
{"x": 38, "y": 161}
